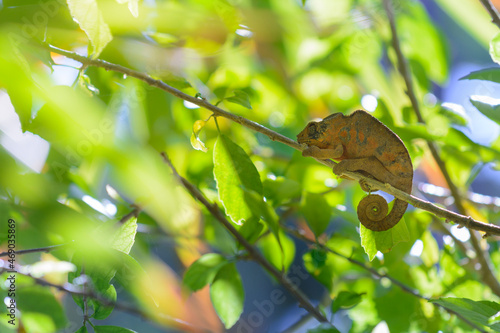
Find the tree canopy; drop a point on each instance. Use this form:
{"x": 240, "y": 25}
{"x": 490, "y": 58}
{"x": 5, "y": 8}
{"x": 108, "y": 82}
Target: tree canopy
{"x": 150, "y": 180}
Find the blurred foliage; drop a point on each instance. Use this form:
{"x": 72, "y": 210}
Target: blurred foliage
{"x": 280, "y": 64}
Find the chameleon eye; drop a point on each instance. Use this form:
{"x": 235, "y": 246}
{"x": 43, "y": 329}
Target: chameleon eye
{"x": 313, "y": 129}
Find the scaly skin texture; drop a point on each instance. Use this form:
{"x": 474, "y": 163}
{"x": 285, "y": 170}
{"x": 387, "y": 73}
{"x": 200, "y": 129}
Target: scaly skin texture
{"x": 361, "y": 143}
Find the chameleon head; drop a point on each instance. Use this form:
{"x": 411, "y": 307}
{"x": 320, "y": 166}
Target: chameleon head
{"x": 316, "y": 133}
{"x": 313, "y": 133}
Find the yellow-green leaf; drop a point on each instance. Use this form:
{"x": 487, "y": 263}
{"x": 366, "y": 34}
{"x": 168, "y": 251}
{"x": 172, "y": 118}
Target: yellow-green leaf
{"x": 88, "y": 15}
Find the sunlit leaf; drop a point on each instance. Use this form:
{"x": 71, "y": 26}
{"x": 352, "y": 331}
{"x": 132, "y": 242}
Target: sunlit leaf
{"x": 227, "y": 295}
{"x": 203, "y": 271}
{"x": 490, "y": 110}
{"x": 195, "y": 139}
{"x": 430, "y": 253}
{"x": 383, "y": 241}
{"x": 495, "y": 48}
{"x": 487, "y": 74}
{"x": 88, "y": 15}
{"x": 241, "y": 98}
{"x": 102, "y": 311}
{"x": 162, "y": 38}
{"x": 478, "y": 312}
{"x": 278, "y": 251}
{"x": 316, "y": 211}
{"x": 133, "y": 6}
{"x": 40, "y": 300}
{"x": 82, "y": 329}
{"x": 124, "y": 238}
{"x": 345, "y": 300}
{"x": 262, "y": 209}
{"x": 234, "y": 171}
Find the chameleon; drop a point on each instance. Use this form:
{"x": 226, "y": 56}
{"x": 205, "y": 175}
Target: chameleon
{"x": 363, "y": 144}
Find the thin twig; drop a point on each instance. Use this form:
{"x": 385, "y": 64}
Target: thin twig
{"x": 495, "y": 18}
{"x": 379, "y": 275}
{"x": 252, "y": 251}
{"x": 467, "y": 221}
{"x": 40, "y": 249}
{"x": 177, "y": 93}
{"x": 133, "y": 213}
{"x": 486, "y": 268}
{"x": 124, "y": 219}
{"x": 72, "y": 289}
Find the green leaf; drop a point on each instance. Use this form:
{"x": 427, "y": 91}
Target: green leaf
{"x": 241, "y": 98}
{"x": 423, "y": 42}
{"x": 22, "y": 102}
{"x": 430, "y": 253}
{"x": 455, "y": 114}
{"x": 383, "y": 241}
{"x": 252, "y": 230}
{"x": 88, "y": 15}
{"x": 490, "y": 110}
{"x": 262, "y": 209}
{"x": 128, "y": 270}
{"x": 40, "y": 301}
{"x": 487, "y": 74}
{"x": 280, "y": 190}
{"x": 173, "y": 80}
{"x": 133, "y": 6}
{"x": 112, "y": 329}
{"x": 203, "y": 271}
{"x": 278, "y": 251}
{"x": 324, "y": 328}
{"x": 234, "y": 171}
{"x": 124, "y": 238}
{"x": 317, "y": 212}
{"x": 479, "y": 312}
{"x": 495, "y": 48}
{"x": 15, "y": 77}
{"x": 346, "y": 300}
{"x": 321, "y": 266}
{"x": 37, "y": 322}
{"x": 102, "y": 311}
{"x": 227, "y": 295}
{"x": 82, "y": 329}
{"x": 161, "y": 38}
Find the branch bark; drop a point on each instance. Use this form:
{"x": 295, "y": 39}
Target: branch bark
{"x": 379, "y": 275}
{"x": 495, "y": 18}
{"x": 486, "y": 267}
{"x": 461, "y": 219}
{"x": 252, "y": 251}
{"x": 71, "y": 289}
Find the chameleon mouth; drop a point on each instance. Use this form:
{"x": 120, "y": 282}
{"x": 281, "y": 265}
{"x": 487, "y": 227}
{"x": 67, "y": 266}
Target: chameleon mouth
{"x": 303, "y": 139}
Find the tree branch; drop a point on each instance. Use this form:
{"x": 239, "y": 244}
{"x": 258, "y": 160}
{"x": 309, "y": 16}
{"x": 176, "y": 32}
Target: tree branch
{"x": 252, "y": 251}
{"x": 486, "y": 267}
{"x": 40, "y": 249}
{"x": 379, "y": 275}
{"x": 495, "y": 19}
{"x": 72, "y": 289}
{"x": 461, "y": 219}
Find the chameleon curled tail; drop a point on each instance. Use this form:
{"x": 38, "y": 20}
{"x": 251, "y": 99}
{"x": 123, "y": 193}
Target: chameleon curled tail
{"x": 372, "y": 212}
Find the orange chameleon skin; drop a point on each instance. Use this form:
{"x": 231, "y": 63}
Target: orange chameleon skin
{"x": 361, "y": 143}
